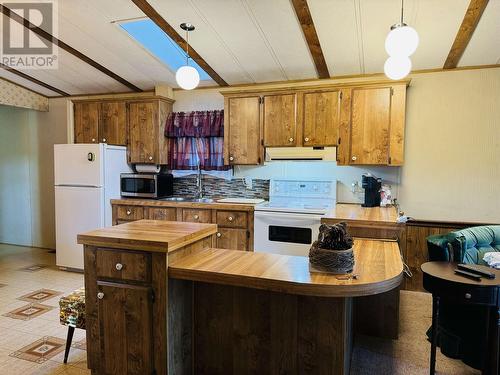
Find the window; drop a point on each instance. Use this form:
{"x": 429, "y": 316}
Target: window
{"x": 152, "y": 38}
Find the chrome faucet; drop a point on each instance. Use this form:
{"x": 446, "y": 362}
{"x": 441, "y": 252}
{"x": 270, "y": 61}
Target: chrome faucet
{"x": 199, "y": 182}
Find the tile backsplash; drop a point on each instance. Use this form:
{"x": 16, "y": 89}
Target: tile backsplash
{"x": 217, "y": 187}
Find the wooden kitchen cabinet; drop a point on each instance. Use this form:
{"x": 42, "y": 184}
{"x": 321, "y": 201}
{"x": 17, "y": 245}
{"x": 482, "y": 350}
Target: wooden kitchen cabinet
{"x": 231, "y": 238}
{"x": 113, "y": 123}
{"x": 280, "y": 120}
{"x": 197, "y": 215}
{"x": 242, "y": 131}
{"x": 86, "y": 122}
{"x": 146, "y": 120}
{"x": 321, "y": 111}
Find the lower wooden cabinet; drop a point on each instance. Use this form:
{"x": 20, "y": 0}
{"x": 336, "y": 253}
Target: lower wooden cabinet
{"x": 160, "y": 213}
{"x": 230, "y": 238}
{"x": 124, "y": 313}
{"x": 197, "y": 215}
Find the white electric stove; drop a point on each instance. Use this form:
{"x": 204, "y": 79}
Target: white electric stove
{"x": 289, "y": 223}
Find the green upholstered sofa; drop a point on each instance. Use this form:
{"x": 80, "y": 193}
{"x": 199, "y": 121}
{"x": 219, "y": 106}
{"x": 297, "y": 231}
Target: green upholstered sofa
{"x": 460, "y": 330}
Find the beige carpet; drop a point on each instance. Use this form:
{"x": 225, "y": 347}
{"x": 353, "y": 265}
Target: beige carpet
{"x": 409, "y": 354}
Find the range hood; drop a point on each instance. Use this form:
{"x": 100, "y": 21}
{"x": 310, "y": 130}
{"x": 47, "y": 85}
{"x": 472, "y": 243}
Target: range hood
{"x": 301, "y": 153}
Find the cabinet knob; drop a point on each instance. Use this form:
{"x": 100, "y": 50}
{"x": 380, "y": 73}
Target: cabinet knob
{"x": 150, "y": 158}
{"x": 196, "y": 217}
{"x": 100, "y": 295}
{"x": 231, "y": 158}
{"x": 468, "y": 296}
{"x": 93, "y": 139}
{"x": 104, "y": 139}
{"x": 119, "y": 266}
{"x": 230, "y": 218}
{"x": 128, "y": 212}
{"x": 290, "y": 139}
{"x": 219, "y": 234}
{"x": 354, "y": 158}
{"x": 306, "y": 139}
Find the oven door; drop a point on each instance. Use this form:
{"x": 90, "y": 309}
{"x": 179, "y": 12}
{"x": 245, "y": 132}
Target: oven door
{"x": 284, "y": 232}
{"x": 138, "y": 186}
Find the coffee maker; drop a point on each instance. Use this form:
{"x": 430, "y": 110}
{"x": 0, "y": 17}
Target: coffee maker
{"x": 372, "y": 186}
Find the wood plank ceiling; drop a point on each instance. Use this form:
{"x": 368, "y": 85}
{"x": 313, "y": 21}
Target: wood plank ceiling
{"x": 252, "y": 41}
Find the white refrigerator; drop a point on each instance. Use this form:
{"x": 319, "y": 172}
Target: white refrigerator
{"x": 86, "y": 177}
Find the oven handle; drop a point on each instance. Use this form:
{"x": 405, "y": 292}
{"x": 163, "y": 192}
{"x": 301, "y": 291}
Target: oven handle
{"x": 287, "y": 215}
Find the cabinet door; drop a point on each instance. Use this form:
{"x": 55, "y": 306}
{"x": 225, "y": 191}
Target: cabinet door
{"x": 321, "y": 118}
{"x": 195, "y": 215}
{"x": 243, "y": 131}
{"x": 125, "y": 328}
{"x": 143, "y": 134}
{"x": 162, "y": 213}
{"x": 86, "y": 122}
{"x": 280, "y": 120}
{"x": 370, "y": 125}
{"x": 233, "y": 239}
{"x": 113, "y": 123}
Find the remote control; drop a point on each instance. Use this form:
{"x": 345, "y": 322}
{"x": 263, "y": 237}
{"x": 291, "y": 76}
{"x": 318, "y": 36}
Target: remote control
{"x": 469, "y": 275}
{"x": 476, "y": 270}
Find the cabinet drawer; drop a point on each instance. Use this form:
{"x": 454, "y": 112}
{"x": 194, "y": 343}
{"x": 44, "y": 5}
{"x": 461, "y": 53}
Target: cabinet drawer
{"x": 232, "y": 239}
{"x": 129, "y": 213}
{"x": 197, "y": 216}
{"x": 123, "y": 265}
{"x": 162, "y": 213}
{"x": 234, "y": 219}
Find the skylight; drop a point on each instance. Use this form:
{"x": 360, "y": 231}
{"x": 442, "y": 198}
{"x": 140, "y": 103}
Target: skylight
{"x": 147, "y": 34}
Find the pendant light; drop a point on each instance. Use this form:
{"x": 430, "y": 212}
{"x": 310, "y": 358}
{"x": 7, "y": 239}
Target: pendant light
{"x": 187, "y": 77}
{"x": 400, "y": 44}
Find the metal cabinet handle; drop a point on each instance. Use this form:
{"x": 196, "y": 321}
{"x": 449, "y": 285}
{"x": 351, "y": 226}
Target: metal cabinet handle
{"x": 100, "y": 295}
{"x": 150, "y": 158}
{"x": 306, "y": 139}
{"x": 119, "y": 266}
{"x": 128, "y": 212}
{"x": 230, "y": 218}
{"x": 354, "y": 158}
{"x": 196, "y": 217}
{"x": 219, "y": 235}
{"x": 290, "y": 139}
{"x": 231, "y": 158}
{"x": 468, "y": 296}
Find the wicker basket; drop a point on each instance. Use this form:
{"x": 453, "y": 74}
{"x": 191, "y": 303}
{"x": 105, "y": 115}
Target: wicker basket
{"x": 338, "y": 262}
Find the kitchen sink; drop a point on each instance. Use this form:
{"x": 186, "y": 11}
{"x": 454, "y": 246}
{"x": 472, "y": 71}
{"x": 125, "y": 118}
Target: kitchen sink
{"x": 188, "y": 199}
{"x": 175, "y": 199}
{"x": 201, "y": 200}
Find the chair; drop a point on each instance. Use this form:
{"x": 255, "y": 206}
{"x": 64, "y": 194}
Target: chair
{"x": 72, "y": 314}
{"x": 459, "y": 334}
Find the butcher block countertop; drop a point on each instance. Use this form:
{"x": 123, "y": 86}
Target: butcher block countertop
{"x": 148, "y": 235}
{"x": 354, "y": 212}
{"x": 377, "y": 263}
{"x": 186, "y": 204}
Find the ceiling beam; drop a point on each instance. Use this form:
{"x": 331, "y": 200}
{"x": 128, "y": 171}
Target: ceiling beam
{"x": 306, "y": 22}
{"x": 464, "y": 35}
{"x": 34, "y": 80}
{"x": 44, "y": 34}
{"x": 149, "y": 11}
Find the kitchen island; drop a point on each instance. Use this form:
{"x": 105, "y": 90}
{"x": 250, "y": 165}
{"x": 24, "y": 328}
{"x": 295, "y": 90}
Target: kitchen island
{"x": 160, "y": 299}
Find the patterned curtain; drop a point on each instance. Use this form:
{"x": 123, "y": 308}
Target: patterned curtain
{"x": 196, "y": 137}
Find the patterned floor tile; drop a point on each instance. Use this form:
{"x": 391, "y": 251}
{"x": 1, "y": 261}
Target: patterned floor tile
{"x": 33, "y": 268}
{"x": 39, "y": 295}
{"x": 29, "y": 311}
{"x": 41, "y": 350}
{"x": 81, "y": 344}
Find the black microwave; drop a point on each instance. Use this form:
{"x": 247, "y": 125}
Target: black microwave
{"x": 143, "y": 185}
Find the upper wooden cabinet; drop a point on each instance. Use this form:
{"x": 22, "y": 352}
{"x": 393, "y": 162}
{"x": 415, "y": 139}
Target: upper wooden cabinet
{"x": 146, "y": 119}
{"x": 280, "y": 120}
{"x": 242, "y": 135}
{"x": 321, "y": 118}
{"x": 101, "y": 122}
{"x": 86, "y": 122}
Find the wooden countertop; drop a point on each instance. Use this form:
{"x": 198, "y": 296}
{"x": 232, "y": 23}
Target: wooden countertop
{"x": 354, "y": 212}
{"x": 377, "y": 263}
{"x": 148, "y": 235}
{"x": 159, "y": 203}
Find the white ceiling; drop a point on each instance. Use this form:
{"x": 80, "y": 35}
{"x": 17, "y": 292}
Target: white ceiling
{"x": 249, "y": 41}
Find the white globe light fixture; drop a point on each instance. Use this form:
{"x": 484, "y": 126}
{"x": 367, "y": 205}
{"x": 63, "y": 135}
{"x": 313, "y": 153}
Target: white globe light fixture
{"x": 187, "y": 77}
{"x": 397, "y": 67}
{"x": 402, "y": 40}
{"x": 400, "y": 44}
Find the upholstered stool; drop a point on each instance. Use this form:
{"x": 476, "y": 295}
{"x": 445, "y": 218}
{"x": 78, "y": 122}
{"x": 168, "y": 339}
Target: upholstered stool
{"x": 72, "y": 314}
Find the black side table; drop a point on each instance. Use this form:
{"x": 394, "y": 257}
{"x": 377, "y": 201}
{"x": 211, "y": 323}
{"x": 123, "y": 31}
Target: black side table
{"x": 439, "y": 278}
